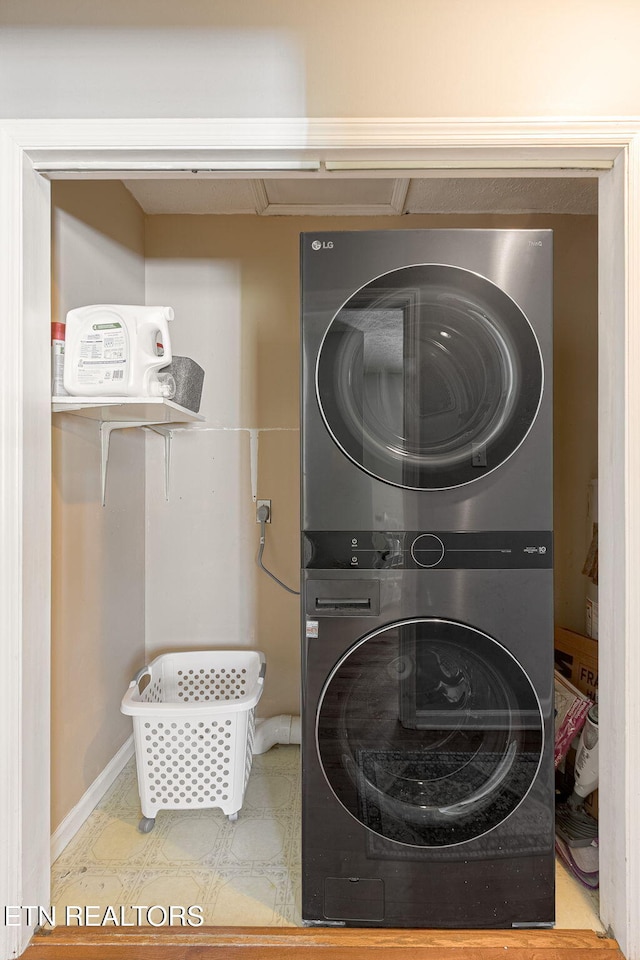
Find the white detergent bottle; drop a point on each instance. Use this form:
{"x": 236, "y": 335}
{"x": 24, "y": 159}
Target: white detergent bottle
{"x": 113, "y": 350}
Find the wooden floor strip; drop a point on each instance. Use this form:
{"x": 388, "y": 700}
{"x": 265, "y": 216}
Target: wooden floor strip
{"x": 268, "y": 943}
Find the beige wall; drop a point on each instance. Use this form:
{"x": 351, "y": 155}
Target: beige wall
{"x": 98, "y": 553}
{"x": 233, "y": 282}
{"x": 370, "y": 58}
{"x": 576, "y": 407}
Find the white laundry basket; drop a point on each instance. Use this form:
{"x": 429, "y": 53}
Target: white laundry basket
{"x": 193, "y": 725}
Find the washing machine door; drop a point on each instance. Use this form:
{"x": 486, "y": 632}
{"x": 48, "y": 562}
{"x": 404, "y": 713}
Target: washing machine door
{"x": 429, "y": 377}
{"x": 429, "y": 732}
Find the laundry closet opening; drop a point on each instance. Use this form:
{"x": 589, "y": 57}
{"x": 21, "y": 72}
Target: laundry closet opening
{"x": 172, "y": 567}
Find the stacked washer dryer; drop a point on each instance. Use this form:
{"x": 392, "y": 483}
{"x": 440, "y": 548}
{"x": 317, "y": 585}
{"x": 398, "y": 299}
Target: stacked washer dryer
{"x": 427, "y": 578}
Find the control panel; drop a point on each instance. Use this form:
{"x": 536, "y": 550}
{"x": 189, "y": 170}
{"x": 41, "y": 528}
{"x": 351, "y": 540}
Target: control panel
{"x": 413, "y": 550}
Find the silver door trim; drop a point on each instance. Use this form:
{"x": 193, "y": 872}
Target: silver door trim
{"x": 391, "y": 482}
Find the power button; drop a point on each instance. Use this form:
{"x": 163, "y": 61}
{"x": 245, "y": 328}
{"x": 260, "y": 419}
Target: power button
{"x": 427, "y": 550}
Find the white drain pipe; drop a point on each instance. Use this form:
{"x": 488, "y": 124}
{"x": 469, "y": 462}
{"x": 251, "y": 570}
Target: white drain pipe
{"x": 282, "y": 729}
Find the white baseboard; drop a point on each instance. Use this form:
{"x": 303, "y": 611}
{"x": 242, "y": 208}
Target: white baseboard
{"x": 89, "y": 800}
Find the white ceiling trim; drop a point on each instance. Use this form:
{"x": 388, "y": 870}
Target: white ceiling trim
{"x": 204, "y": 144}
{"x": 399, "y": 195}
{"x": 267, "y": 208}
{"x": 329, "y": 210}
{"x": 259, "y": 195}
{"x": 511, "y": 165}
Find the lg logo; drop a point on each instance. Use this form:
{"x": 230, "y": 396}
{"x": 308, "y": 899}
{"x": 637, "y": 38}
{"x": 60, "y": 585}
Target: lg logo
{"x": 322, "y": 245}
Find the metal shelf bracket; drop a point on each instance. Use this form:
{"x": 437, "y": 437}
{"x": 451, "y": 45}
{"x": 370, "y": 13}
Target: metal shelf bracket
{"x": 167, "y": 433}
{"x": 106, "y": 429}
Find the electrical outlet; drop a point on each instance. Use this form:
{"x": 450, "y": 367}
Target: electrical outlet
{"x": 263, "y": 503}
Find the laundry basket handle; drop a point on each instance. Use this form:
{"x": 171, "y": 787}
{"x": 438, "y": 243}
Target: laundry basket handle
{"x": 140, "y": 674}
{"x": 263, "y": 670}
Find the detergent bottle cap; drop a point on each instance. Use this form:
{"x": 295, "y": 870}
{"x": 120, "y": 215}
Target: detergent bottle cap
{"x": 165, "y": 386}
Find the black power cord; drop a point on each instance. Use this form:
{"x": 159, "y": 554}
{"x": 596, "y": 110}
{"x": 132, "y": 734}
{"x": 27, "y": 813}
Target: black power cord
{"x": 263, "y": 516}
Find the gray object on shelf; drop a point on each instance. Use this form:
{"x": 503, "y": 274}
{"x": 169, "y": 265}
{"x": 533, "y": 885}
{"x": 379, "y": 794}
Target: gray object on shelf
{"x": 189, "y": 377}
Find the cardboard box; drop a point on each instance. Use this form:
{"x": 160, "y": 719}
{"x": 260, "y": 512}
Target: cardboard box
{"x": 576, "y": 658}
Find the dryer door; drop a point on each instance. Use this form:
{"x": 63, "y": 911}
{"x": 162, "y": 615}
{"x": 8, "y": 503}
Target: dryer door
{"x": 429, "y": 377}
{"x": 429, "y": 732}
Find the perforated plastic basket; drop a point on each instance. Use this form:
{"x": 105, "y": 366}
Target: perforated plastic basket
{"x": 193, "y": 725}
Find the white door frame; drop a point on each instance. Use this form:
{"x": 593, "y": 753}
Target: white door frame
{"x": 119, "y": 147}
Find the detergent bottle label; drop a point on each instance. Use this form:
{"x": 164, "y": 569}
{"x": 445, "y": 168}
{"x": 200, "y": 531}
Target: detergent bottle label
{"x": 102, "y": 354}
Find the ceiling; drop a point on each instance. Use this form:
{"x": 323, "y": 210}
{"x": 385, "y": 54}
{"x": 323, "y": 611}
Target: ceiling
{"x": 331, "y": 195}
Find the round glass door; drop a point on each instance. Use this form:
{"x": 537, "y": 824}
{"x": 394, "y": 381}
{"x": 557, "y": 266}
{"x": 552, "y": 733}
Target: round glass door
{"x": 429, "y": 732}
{"x": 429, "y": 377}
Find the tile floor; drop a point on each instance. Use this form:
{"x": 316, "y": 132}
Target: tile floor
{"x": 245, "y": 873}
